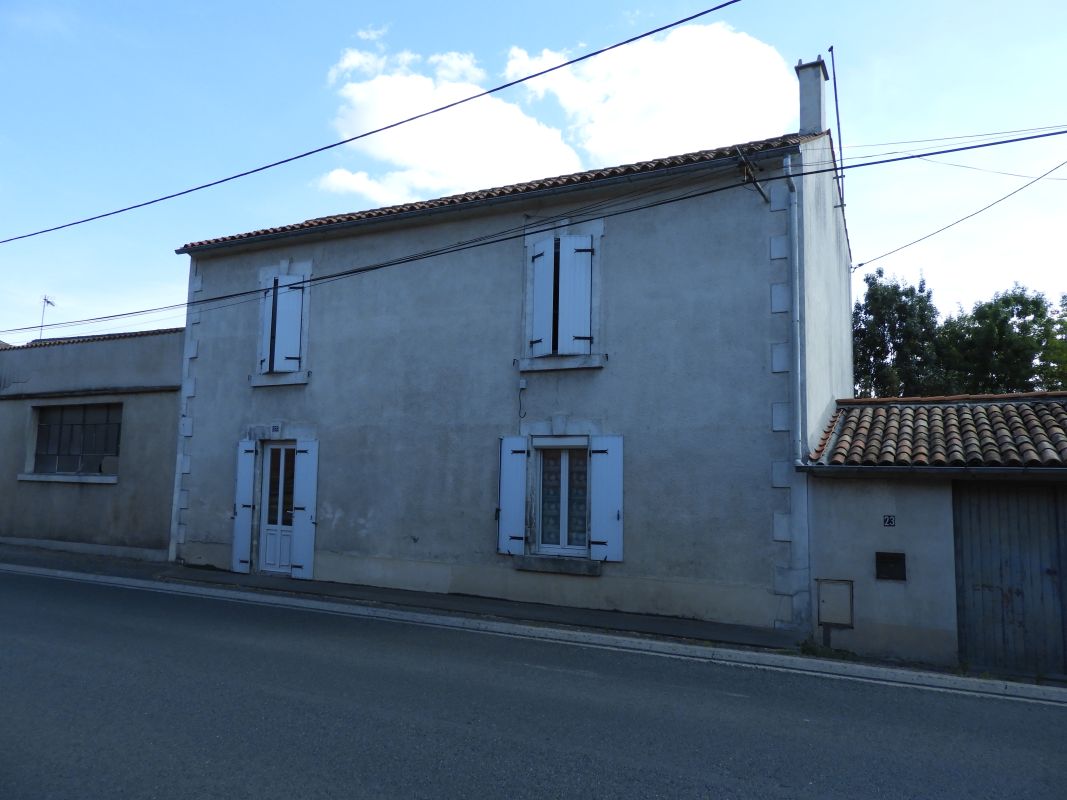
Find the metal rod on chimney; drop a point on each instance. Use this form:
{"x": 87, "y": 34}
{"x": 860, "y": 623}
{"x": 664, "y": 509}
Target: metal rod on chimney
{"x": 840, "y": 144}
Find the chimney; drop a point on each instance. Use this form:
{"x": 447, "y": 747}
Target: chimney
{"x": 811, "y": 77}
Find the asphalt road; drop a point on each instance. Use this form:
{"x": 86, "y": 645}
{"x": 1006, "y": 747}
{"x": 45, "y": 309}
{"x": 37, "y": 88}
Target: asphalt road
{"x": 113, "y": 692}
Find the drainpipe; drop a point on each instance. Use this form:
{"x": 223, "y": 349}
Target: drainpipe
{"x": 798, "y": 360}
{"x": 799, "y": 551}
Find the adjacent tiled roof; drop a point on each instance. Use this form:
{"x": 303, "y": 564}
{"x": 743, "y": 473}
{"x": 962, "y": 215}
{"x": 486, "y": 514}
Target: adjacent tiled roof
{"x": 103, "y": 337}
{"x": 560, "y": 181}
{"x": 1012, "y": 430}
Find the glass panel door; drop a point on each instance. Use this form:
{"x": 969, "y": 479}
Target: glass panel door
{"x": 276, "y": 529}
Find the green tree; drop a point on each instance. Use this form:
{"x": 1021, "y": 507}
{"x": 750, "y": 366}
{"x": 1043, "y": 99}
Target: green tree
{"x": 1007, "y": 344}
{"x": 895, "y": 340}
{"x": 1016, "y": 342}
{"x": 1054, "y": 362}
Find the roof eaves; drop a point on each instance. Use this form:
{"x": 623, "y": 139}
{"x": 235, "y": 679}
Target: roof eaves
{"x": 590, "y": 179}
{"x": 872, "y": 470}
{"x": 952, "y": 399}
{"x": 102, "y": 337}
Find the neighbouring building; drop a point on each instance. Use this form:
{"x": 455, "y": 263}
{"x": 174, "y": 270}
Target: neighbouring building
{"x": 939, "y": 530}
{"x": 88, "y": 428}
{"x": 588, "y": 390}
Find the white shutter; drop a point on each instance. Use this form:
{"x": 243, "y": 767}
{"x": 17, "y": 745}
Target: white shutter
{"x": 542, "y": 256}
{"x": 287, "y": 323}
{"x": 242, "y": 505}
{"x": 605, "y": 498}
{"x": 305, "y": 483}
{"x": 266, "y": 323}
{"x": 511, "y": 530}
{"x": 575, "y": 293}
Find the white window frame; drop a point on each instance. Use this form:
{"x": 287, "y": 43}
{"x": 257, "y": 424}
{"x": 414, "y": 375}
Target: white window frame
{"x": 575, "y": 353}
{"x": 279, "y": 282}
{"x": 564, "y": 443}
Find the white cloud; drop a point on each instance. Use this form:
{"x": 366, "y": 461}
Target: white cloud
{"x": 356, "y": 61}
{"x": 372, "y": 34}
{"x": 699, "y": 86}
{"x": 487, "y": 142}
{"x": 457, "y": 67}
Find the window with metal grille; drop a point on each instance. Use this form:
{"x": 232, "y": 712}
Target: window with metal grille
{"x": 79, "y": 439}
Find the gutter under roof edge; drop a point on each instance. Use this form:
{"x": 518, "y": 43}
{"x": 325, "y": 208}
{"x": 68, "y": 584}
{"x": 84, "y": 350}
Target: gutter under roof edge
{"x": 402, "y": 216}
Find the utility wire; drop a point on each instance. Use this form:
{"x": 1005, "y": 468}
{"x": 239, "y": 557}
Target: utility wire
{"x": 922, "y": 152}
{"x": 551, "y": 223}
{"x": 983, "y": 169}
{"x": 962, "y": 136}
{"x": 490, "y": 238}
{"x": 390, "y": 126}
{"x": 962, "y": 219}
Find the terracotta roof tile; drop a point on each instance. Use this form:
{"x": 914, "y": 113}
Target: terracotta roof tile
{"x": 574, "y": 179}
{"x": 1010, "y": 430}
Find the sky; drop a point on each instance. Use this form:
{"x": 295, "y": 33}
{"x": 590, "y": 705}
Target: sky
{"x": 106, "y": 104}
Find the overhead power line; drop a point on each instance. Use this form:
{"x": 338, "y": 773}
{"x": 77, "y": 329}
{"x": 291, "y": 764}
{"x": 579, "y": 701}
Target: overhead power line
{"x": 984, "y": 169}
{"x": 962, "y": 219}
{"x": 390, "y": 126}
{"x": 549, "y": 224}
{"x": 988, "y": 135}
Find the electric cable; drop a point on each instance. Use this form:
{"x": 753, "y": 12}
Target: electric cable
{"x": 444, "y": 250}
{"x": 991, "y": 134}
{"x": 984, "y": 169}
{"x": 248, "y": 295}
{"x": 961, "y": 219}
{"x": 390, "y": 126}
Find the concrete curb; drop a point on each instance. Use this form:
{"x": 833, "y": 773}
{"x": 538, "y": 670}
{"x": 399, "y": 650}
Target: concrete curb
{"x": 813, "y": 667}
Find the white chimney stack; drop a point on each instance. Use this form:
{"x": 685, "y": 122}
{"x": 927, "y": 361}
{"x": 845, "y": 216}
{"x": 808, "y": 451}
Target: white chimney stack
{"x": 811, "y": 77}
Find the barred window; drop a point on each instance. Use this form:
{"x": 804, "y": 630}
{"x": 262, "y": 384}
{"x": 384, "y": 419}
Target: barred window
{"x": 82, "y": 439}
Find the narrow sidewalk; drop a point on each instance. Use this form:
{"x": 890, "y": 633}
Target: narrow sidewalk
{"x": 467, "y": 605}
{"x": 732, "y": 645}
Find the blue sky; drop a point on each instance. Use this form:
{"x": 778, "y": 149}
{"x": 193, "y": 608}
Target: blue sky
{"x": 107, "y": 104}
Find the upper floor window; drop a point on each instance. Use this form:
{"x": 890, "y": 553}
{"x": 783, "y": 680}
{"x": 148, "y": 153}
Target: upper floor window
{"x": 281, "y": 340}
{"x": 78, "y": 439}
{"x": 562, "y": 295}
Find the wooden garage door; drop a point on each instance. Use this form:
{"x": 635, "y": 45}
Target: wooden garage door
{"x": 1011, "y": 554}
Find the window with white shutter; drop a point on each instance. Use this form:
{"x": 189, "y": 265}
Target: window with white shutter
{"x": 281, "y": 343}
{"x": 573, "y": 497}
{"x": 561, "y": 303}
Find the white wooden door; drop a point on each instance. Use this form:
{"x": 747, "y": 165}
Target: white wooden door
{"x": 276, "y": 525}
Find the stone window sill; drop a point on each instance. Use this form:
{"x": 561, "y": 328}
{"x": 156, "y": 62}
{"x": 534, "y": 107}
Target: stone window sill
{"x": 559, "y": 565}
{"x": 280, "y": 378}
{"x": 45, "y": 477}
{"x": 550, "y": 363}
